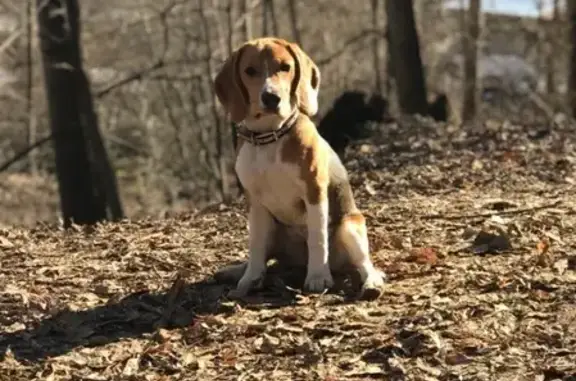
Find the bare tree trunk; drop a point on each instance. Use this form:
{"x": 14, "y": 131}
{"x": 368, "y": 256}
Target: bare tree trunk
{"x": 294, "y": 21}
{"x": 376, "y": 47}
{"x": 269, "y": 18}
{"x": 265, "y": 18}
{"x": 404, "y": 50}
{"x": 551, "y": 48}
{"x": 85, "y": 186}
{"x": 230, "y": 21}
{"x": 273, "y": 18}
{"x": 388, "y": 75}
{"x": 541, "y": 36}
{"x": 470, "y": 42}
{"x": 230, "y": 46}
{"x": 220, "y": 154}
{"x": 571, "y": 11}
{"x": 32, "y": 123}
{"x": 104, "y": 176}
{"x": 246, "y": 11}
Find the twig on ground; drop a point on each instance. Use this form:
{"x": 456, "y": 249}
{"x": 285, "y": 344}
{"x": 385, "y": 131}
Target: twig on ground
{"x": 490, "y": 214}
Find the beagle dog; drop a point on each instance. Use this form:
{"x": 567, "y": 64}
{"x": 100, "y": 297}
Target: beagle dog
{"x": 301, "y": 208}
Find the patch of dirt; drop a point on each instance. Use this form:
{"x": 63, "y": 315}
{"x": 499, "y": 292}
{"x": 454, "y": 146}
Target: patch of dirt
{"x": 476, "y": 229}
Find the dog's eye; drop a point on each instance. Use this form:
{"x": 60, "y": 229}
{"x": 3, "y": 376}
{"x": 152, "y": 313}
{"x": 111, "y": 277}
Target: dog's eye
{"x": 250, "y": 71}
{"x": 285, "y": 67}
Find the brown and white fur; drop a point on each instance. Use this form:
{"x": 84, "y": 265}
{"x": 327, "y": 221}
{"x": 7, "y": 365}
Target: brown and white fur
{"x": 301, "y": 208}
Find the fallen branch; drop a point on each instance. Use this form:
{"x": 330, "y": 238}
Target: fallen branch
{"x": 491, "y": 214}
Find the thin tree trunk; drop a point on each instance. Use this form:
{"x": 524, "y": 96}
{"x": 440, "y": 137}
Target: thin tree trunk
{"x": 387, "y": 60}
{"x": 541, "y": 36}
{"x": 376, "y": 47}
{"x": 269, "y": 20}
{"x": 105, "y": 178}
{"x": 81, "y": 162}
{"x": 265, "y": 18}
{"x": 571, "y": 11}
{"x": 470, "y": 42}
{"x": 246, "y": 12}
{"x": 31, "y": 125}
{"x": 230, "y": 20}
{"x": 230, "y": 48}
{"x": 219, "y": 141}
{"x": 294, "y": 22}
{"x": 550, "y": 49}
{"x": 404, "y": 50}
{"x": 273, "y": 18}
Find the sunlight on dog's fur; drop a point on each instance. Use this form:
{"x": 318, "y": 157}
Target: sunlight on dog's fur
{"x": 301, "y": 208}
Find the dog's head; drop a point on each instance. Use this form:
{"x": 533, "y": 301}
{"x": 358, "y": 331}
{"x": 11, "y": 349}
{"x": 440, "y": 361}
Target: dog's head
{"x": 264, "y": 80}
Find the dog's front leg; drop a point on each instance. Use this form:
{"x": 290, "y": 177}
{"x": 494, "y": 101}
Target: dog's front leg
{"x": 318, "y": 277}
{"x": 261, "y": 226}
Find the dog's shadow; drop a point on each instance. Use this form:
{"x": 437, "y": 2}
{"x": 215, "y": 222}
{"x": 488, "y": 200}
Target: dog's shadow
{"x": 144, "y": 312}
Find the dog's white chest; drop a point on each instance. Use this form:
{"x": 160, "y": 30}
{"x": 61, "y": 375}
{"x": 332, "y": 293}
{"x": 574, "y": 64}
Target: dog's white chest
{"x": 271, "y": 182}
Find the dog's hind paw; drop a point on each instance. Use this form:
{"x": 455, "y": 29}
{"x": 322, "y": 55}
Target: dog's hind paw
{"x": 373, "y": 286}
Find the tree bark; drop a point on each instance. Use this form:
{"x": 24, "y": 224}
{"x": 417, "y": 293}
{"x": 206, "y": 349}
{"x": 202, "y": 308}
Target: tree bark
{"x": 31, "y": 122}
{"x": 551, "y": 48}
{"x": 294, "y": 22}
{"x": 376, "y": 47}
{"x": 404, "y": 50}
{"x": 86, "y": 182}
{"x": 246, "y": 12}
{"x": 470, "y": 42}
{"x": 220, "y": 157}
{"x": 571, "y": 11}
{"x": 269, "y": 18}
{"x": 265, "y": 18}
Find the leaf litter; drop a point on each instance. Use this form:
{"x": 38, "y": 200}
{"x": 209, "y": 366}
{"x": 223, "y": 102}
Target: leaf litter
{"x": 134, "y": 300}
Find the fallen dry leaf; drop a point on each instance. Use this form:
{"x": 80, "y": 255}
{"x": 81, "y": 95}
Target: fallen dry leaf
{"x": 561, "y": 266}
{"x": 543, "y": 258}
{"x": 5, "y": 243}
{"x": 86, "y": 305}
{"x": 131, "y": 367}
{"x": 457, "y": 359}
{"x": 542, "y": 247}
{"x": 426, "y": 255}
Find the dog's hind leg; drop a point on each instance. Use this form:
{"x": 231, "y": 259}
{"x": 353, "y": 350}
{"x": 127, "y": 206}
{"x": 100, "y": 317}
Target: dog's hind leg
{"x": 351, "y": 239}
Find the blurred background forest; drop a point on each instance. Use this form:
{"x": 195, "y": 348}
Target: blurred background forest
{"x": 150, "y": 66}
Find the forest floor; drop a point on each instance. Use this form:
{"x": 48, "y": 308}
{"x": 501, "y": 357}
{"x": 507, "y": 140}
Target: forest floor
{"x": 475, "y": 227}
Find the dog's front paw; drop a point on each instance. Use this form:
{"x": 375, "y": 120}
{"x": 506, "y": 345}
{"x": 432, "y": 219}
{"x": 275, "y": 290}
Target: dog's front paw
{"x": 250, "y": 280}
{"x": 318, "y": 281}
{"x": 373, "y": 285}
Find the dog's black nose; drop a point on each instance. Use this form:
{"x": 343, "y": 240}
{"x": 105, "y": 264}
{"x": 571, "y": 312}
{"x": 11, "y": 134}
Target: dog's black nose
{"x": 270, "y": 100}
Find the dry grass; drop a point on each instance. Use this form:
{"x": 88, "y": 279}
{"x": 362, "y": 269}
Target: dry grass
{"x": 133, "y": 301}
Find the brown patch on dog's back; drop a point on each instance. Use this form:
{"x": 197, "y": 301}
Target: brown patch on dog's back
{"x": 303, "y": 148}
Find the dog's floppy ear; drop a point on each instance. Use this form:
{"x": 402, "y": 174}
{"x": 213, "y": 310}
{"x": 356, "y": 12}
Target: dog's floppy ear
{"x": 306, "y": 80}
{"x": 229, "y": 88}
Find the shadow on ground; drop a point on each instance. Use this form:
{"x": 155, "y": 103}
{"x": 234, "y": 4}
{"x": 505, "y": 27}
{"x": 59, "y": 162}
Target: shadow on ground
{"x": 133, "y": 316}
{"x": 145, "y": 312}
